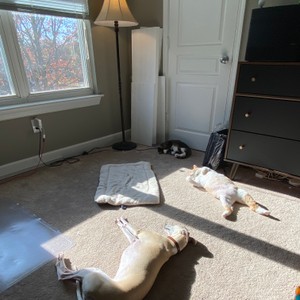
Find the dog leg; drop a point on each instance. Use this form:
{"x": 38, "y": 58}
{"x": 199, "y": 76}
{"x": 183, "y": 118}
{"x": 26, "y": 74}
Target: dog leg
{"x": 61, "y": 268}
{"x": 245, "y": 198}
{"x": 130, "y": 232}
{"x": 84, "y": 278}
{"x": 226, "y": 203}
{"x": 64, "y": 273}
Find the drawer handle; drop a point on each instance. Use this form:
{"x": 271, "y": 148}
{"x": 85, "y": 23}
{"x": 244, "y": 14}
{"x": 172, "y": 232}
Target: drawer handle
{"x": 253, "y": 79}
{"x": 247, "y": 114}
{"x": 241, "y": 147}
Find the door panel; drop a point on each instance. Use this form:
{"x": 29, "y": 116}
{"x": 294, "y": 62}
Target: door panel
{"x": 187, "y": 97}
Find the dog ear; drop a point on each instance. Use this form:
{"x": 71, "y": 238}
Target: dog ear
{"x": 195, "y": 167}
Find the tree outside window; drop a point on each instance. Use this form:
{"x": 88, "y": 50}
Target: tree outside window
{"x": 52, "y": 54}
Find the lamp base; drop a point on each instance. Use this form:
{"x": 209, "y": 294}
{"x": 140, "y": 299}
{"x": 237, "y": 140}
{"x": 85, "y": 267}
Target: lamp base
{"x": 124, "y": 146}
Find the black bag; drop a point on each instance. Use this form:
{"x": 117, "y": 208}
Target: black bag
{"x": 215, "y": 149}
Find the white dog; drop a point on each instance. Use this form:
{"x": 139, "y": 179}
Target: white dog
{"x": 138, "y": 269}
{"x": 222, "y": 188}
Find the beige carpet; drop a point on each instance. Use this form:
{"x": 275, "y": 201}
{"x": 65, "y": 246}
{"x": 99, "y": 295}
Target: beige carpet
{"x": 247, "y": 257}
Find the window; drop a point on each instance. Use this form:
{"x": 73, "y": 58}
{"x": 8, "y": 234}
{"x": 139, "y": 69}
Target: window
{"x": 6, "y": 85}
{"x": 43, "y": 55}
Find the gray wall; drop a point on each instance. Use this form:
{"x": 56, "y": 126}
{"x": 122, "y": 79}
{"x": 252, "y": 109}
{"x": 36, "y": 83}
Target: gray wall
{"x": 68, "y": 128}
{"x": 79, "y": 125}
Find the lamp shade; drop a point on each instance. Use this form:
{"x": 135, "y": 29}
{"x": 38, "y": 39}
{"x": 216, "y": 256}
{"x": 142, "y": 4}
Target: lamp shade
{"x": 115, "y": 10}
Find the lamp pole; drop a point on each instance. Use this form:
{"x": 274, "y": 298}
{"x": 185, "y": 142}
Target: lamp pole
{"x": 119, "y": 79}
{"x": 115, "y": 13}
{"x": 124, "y": 145}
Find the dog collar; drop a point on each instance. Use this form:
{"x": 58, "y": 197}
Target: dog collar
{"x": 175, "y": 242}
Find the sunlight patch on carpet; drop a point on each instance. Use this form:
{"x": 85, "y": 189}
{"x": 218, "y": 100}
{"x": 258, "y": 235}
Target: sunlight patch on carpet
{"x": 26, "y": 243}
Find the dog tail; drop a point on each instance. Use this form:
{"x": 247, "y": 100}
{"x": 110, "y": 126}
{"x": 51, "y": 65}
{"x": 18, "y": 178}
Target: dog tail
{"x": 253, "y": 205}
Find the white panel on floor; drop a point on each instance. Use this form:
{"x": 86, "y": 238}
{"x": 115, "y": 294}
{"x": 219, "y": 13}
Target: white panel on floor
{"x": 143, "y": 111}
{"x": 161, "y": 111}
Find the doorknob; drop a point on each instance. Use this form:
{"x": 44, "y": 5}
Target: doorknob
{"x": 224, "y": 59}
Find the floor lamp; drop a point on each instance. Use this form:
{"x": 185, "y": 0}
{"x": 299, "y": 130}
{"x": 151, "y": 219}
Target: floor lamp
{"x": 115, "y": 13}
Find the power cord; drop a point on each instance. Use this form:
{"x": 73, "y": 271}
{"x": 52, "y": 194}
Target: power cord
{"x": 57, "y": 163}
{"x": 275, "y": 176}
{"x": 146, "y": 148}
{"x": 270, "y": 175}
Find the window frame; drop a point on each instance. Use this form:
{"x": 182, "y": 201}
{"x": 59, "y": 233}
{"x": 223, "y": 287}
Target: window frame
{"x": 26, "y": 104}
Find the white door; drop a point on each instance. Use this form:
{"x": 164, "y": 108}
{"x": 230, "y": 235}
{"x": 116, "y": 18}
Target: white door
{"x": 201, "y": 52}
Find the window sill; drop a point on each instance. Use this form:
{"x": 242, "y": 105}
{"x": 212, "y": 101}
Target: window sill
{"x": 37, "y": 108}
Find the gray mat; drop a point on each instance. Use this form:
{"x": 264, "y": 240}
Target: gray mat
{"x": 26, "y": 243}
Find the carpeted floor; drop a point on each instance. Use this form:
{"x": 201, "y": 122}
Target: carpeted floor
{"x": 248, "y": 257}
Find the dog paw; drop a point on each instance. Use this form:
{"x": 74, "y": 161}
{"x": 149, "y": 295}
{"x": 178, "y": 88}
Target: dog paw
{"x": 262, "y": 211}
{"x": 226, "y": 214}
{"x": 60, "y": 256}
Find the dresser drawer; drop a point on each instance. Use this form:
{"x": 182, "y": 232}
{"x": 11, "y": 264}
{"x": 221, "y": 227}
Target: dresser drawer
{"x": 269, "y": 79}
{"x": 279, "y": 118}
{"x": 264, "y": 151}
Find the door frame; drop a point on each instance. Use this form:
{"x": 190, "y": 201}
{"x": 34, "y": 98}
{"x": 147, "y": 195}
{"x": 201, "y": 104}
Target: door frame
{"x": 235, "y": 57}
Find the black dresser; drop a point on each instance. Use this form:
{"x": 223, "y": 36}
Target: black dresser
{"x": 264, "y": 130}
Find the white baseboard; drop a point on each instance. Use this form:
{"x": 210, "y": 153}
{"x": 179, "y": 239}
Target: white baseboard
{"x": 30, "y": 163}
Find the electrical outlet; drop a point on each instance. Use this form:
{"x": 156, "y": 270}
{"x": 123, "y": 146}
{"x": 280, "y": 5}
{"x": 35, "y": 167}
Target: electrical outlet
{"x": 37, "y": 125}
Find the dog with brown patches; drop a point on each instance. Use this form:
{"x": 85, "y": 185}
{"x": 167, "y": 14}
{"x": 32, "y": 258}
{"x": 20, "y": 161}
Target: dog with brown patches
{"x": 222, "y": 188}
{"x": 139, "y": 266}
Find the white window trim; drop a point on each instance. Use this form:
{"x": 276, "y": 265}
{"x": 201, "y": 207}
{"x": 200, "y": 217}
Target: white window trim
{"x": 37, "y": 104}
{"x": 38, "y": 108}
